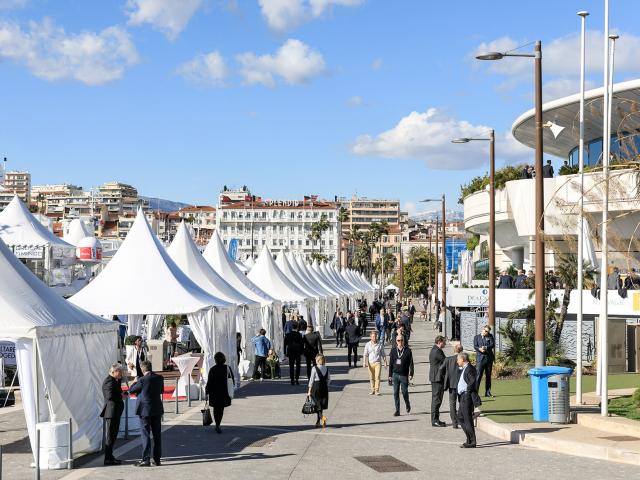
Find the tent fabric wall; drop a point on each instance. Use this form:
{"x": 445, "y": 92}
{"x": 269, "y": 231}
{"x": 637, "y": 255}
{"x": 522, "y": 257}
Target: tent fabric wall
{"x": 154, "y": 325}
{"x": 134, "y": 324}
{"x": 211, "y": 327}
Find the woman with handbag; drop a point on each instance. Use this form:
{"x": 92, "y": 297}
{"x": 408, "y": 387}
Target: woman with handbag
{"x": 220, "y": 386}
{"x": 319, "y": 389}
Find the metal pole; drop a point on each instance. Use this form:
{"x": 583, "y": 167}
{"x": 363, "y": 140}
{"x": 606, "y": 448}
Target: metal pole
{"x": 444, "y": 252}
{"x": 540, "y": 320}
{"x": 126, "y": 418}
{"x": 177, "y": 379}
{"x": 0, "y": 462}
{"x": 492, "y": 230}
{"x": 37, "y": 472}
{"x": 435, "y": 271}
{"x": 35, "y": 347}
{"x": 582, "y": 14}
{"x": 189, "y": 390}
{"x": 429, "y": 284}
{"x": 70, "y": 461}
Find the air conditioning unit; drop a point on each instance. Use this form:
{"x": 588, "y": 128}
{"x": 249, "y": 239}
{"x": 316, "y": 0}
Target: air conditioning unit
{"x": 155, "y": 354}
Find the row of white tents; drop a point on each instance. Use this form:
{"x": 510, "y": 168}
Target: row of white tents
{"x": 75, "y": 342}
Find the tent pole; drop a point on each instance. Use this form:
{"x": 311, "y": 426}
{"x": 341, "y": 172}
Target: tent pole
{"x": 35, "y": 347}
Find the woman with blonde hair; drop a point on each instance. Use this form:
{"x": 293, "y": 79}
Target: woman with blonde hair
{"x": 319, "y": 388}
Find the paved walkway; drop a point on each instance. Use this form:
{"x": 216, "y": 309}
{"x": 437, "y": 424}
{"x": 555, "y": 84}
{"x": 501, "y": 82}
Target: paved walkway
{"x": 266, "y": 437}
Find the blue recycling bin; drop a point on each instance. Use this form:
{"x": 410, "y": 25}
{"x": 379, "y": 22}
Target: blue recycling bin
{"x": 540, "y": 389}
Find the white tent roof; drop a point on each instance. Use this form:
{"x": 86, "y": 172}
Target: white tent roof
{"x": 285, "y": 267}
{"x": 143, "y": 279}
{"x": 314, "y": 269}
{"x": 19, "y": 227}
{"x": 322, "y": 268}
{"x": 216, "y": 256}
{"x": 27, "y": 304}
{"x": 77, "y": 231}
{"x": 391, "y": 287}
{"x": 356, "y": 279}
{"x": 317, "y": 278}
{"x": 333, "y": 271}
{"x": 268, "y": 277}
{"x": 249, "y": 263}
{"x": 298, "y": 266}
{"x": 355, "y": 284}
{"x": 185, "y": 253}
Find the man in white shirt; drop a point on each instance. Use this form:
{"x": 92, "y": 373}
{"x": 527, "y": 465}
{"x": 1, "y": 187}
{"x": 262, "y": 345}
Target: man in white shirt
{"x": 373, "y": 356}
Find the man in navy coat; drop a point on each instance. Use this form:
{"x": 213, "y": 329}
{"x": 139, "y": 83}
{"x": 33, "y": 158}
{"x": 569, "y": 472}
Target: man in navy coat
{"x": 149, "y": 408}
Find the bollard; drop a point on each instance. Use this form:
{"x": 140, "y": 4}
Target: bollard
{"x": 37, "y": 473}
{"x": 189, "y": 391}
{"x": 177, "y": 379}
{"x": 70, "y": 462}
{"x": 126, "y": 417}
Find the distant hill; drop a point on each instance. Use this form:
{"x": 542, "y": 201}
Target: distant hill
{"x": 452, "y": 216}
{"x": 165, "y": 205}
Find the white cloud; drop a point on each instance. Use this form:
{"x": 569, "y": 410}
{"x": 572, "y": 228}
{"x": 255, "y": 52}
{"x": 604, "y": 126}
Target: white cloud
{"x": 427, "y": 136}
{"x": 356, "y": 101}
{"x": 564, "y": 86}
{"x": 376, "y": 64}
{"x": 295, "y": 63}
{"x": 410, "y": 207}
{"x": 285, "y": 15}
{"x": 50, "y": 53}
{"x": 205, "y": 69}
{"x": 560, "y": 60}
{"x": 168, "y": 16}
{"x": 10, "y": 4}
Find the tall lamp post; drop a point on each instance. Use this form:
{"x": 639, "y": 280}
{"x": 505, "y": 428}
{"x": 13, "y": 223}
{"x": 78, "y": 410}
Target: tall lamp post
{"x": 540, "y": 351}
{"x": 492, "y": 221}
{"x": 444, "y": 252}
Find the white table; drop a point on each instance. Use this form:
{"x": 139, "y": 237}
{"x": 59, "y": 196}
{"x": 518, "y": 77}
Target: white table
{"x": 185, "y": 364}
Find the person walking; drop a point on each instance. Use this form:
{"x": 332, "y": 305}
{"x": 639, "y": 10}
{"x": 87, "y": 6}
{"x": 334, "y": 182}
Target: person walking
{"x": 381, "y": 326}
{"x": 112, "y": 411}
{"x": 339, "y": 328}
{"x": 400, "y": 373}
{"x": 521, "y": 280}
{"x": 466, "y": 386}
{"x": 293, "y": 348}
{"x": 262, "y": 346}
{"x": 312, "y": 347}
{"x": 484, "y": 345}
{"x": 412, "y": 311}
{"x": 448, "y": 372}
{"x": 149, "y": 388}
{"x": 505, "y": 280}
{"x": 319, "y": 389}
{"x": 436, "y": 359}
{"x": 372, "y": 358}
{"x": 352, "y": 337}
{"x": 217, "y": 388}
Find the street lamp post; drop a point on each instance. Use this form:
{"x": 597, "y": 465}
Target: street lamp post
{"x": 443, "y": 294}
{"x": 540, "y": 351}
{"x": 492, "y": 221}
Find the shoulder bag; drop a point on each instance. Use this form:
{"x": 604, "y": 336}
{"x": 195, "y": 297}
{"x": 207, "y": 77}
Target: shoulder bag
{"x": 231, "y": 383}
{"x": 309, "y": 406}
{"x": 206, "y": 415}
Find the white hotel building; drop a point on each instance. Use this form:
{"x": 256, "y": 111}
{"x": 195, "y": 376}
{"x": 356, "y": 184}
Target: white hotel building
{"x": 282, "y": 225}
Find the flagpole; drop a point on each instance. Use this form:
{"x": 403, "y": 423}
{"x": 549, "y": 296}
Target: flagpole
{"x": 584, "y": 15}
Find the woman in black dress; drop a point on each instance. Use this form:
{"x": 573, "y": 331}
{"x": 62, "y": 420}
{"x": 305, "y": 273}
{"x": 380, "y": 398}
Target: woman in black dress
{"x": 319, "y": 389}
{"x": 216, "y": 389}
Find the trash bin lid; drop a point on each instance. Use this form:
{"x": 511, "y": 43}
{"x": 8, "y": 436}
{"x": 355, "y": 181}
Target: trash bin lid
{"x": 548, "y": 371}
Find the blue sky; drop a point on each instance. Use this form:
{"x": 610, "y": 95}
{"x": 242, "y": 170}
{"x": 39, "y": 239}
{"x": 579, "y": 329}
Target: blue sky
{"x": 289, "y": 97}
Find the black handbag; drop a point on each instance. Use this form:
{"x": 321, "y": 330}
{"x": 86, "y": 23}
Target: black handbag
{"x": 206, "y": 415}
{"x": 309, "y": 406}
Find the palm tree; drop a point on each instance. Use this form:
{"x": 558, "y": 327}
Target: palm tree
{"x": 317, "y": 229}
{"x": 567, "y": 271}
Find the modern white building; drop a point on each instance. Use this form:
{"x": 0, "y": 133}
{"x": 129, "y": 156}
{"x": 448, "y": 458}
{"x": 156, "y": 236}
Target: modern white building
{"x": 249, "y": 222}
{"x": 515, "y": 207}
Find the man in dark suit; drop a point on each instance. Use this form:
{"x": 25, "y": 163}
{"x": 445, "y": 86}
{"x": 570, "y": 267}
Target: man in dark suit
{"x": 436, "y": 359}
{"x": 352, "y": 336}
{"x": 449, "y": 373}
{"x": 312, "y": 347}
{"x": 293, "y": 347}
{"x": 112, "y": 411}
{"x": 547, "y": 170}
{"x": 484, "y": 345}
{"x": 466, "y": 387}
{"x": 149, "y": 408}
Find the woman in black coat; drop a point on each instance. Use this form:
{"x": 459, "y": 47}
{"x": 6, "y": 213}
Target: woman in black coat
{"x": 217, "y": 388}
{"x": 318, "y": 389}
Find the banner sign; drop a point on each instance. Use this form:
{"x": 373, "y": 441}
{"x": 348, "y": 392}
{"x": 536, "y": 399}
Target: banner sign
{"x": 233, "y": 248}
{"x": 28, "y": 251}
{"x": 8, "y": 353}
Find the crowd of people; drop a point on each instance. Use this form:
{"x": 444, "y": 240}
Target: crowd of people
{"x": 392, "y": 329}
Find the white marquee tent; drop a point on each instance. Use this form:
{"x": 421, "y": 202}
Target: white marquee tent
{"x": 77, "y": 231}
{"x": 216, "y": 255}
{"x": 317, "y": 302}
{"x": 74, "y": 349}
{"x": 142, "y": 279}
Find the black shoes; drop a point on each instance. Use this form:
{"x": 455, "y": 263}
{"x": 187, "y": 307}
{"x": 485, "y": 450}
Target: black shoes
{"x": 112, "y": 461}
{"x": 396, "y": 414}
{"x": 157, "y": 463}
{"x": 408, "y": 408}
{"x": 438, "y": 423}
{"x": 456, "y": 427}
{"x": 143, "y": 464}
{"x": 468, "y": 445}
{"x": 218, "y": 429}
{"x": 488, "y": 394}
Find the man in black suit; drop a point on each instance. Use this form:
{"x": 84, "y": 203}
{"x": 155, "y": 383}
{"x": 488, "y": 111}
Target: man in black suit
{"x": 466, "y": 387}
{"x": 149, "y": 408}
{"x": 484, "y": 344}
{"x": 293, "y": 347}
{"x": 112, "y": 411}
{"x": 312, "y": 347}
{"x": 352, "y": 336}
{"x": 436, "y": 359}
{"x": 449, "y": 373}
{"x": 547, "y": 170}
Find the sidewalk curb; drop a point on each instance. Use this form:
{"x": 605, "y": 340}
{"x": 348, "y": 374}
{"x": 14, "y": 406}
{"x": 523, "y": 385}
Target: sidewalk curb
{"x": 542, "y": 441}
